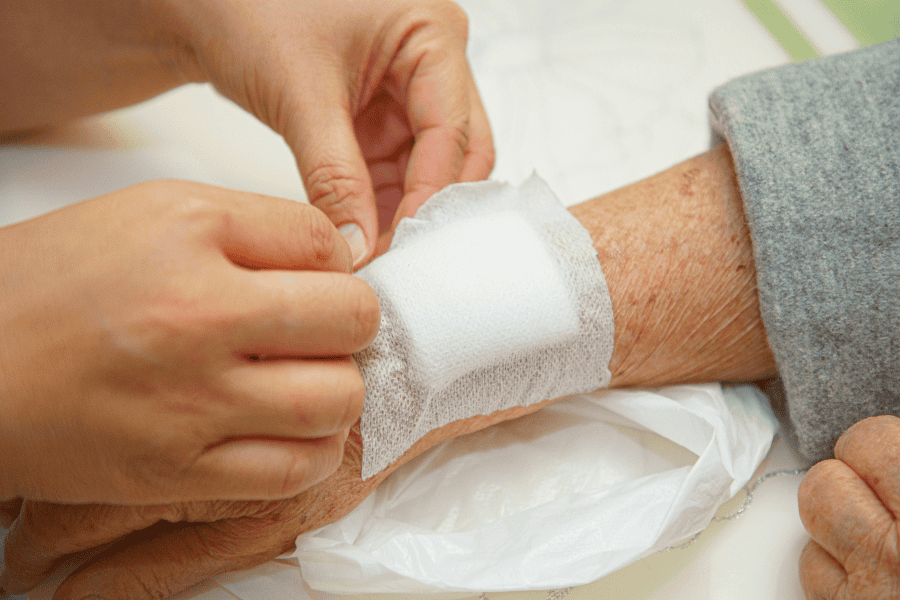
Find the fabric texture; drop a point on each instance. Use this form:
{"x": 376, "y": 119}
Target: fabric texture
{"x": 816, "y": 146}
{"x": 491, "y": 297}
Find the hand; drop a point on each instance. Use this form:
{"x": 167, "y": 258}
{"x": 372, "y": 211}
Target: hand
{"x": 375, "y": 98}
{"x": 164, "y": 549}
{"x": 850, "y": 507}
{"x": 365, "y": 93}
{"x": 174, "y": 341}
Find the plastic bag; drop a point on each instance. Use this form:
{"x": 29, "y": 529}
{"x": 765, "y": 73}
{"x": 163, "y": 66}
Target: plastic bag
{"x": 559, "y": 498}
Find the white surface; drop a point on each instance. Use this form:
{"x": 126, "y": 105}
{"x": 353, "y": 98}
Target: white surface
{"x": 559, "y": 498}
{"x": 491, "y": 297}
{"x": 592, "y": 93}
{"x": 467, "y": 312}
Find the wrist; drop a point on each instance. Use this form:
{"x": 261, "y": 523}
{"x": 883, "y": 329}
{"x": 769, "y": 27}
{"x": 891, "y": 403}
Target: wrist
{"x": 676, "y": 253}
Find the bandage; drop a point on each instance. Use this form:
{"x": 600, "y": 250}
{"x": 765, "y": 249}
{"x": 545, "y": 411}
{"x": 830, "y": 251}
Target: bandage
{"x": 491, "y": 297}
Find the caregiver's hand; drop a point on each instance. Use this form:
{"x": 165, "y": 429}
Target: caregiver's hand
{"x": 373, "y": 93}
{"x": 850, "y": 507}
{"x": 375, "y": 98}
{"x": 175, "y": 341}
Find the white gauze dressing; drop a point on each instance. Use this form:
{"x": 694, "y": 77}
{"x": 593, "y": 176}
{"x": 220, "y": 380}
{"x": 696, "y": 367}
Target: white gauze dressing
{"x": 491, "y": 297}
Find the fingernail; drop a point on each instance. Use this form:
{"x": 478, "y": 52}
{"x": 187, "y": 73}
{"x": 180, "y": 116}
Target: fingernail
{"x": 355, "y": 239}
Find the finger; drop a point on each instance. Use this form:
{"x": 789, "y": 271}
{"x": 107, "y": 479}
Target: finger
{"x": 821, "y": 576}
{"x": 842, "y": 513}
{"x": 165, "y": 561}
{"x": 332, "y": 166}
{"x": 44, "y": 533}
{"x": 9, "y": 510}
{"x": 382, "y": 128}
{"x": 439, "y": 113}
{"x": 872, "y": 449}
{"x": 265, "y": 232}
{"x": 263, "y": 468}
{"x": 294, "y": 399}
{"x": 387, "y": 178}
{"x": 303, "y": 315}
{"x": 478, "y": 161}
{"x": 384, "y": 243}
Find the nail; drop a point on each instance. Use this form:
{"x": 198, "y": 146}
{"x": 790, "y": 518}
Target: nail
{"x": 355, "y": 239}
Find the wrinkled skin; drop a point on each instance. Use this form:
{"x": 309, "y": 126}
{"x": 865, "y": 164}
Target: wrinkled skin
{"x": 850, "y": 506}
{"x": 164, "y": 549}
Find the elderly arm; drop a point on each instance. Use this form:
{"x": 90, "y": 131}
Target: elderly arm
{"x": 677, "y": 257}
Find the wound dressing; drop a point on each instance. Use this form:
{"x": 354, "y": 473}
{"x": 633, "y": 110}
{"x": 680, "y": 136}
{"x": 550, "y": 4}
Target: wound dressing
{"x": 491, "y": 297}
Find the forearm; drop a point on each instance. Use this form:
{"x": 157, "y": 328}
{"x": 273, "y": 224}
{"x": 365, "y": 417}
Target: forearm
{"x": 678, "y": 262}
{"x": 677, "y": 259}
{"x": 676, "y": 253}
{"x": 61, "y": 60}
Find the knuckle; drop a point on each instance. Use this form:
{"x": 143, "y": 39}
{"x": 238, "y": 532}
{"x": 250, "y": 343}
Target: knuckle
{"x": 297, "y": 476}
{"x": 455, "y": 15}
{"x": 333, "y": 187}
{"x": 856, "y": 443}
{"x": 459, "y": 132}
{"x": 165, "y": 465}
{"x": 320, "y": 238}
{"x": 310, "y": 467}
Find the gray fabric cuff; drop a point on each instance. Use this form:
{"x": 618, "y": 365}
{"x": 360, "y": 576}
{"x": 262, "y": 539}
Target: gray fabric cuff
{"x": 816, "y": 146}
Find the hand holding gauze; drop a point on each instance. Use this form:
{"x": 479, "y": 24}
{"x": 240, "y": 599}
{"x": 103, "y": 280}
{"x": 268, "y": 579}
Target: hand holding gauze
{"x": 174, "y": 341}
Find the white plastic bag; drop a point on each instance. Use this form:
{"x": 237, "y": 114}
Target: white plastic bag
{"x": 555, "y": 499}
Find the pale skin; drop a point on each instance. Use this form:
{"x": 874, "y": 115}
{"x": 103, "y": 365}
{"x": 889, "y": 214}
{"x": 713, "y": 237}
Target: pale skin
{"x": 154, "y": 304}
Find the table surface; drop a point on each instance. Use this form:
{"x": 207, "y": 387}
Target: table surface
{"x": 593, "y": 94}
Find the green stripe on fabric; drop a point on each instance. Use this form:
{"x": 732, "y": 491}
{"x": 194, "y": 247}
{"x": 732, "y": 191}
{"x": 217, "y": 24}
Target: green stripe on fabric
{"x": 782, "y": 29}
{"x": 870, "y": 21}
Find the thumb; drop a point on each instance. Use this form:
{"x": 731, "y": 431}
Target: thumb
{"x": 334, "y": 171}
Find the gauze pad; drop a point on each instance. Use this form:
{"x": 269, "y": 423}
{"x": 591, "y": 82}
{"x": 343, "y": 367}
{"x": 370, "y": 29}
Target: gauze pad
{"x": 491, "y": 297}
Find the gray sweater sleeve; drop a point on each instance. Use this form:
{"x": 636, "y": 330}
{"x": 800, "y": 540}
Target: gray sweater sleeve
{"x": 816, "y": 147}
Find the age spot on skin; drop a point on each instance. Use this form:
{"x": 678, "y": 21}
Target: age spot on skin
{"x": 690, "y": 179}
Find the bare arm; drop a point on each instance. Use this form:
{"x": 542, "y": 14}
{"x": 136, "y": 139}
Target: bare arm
{"x": 62, "y": 60}
{"x": 676, "y": 252}
{"x": 677, "y": 258}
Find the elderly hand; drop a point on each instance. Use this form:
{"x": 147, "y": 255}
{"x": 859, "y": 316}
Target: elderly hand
{"x": 174, "y": 341}
{"x": 375, "y": 98}
{"x": 850, "y": 507}
{"x": 164, "y": 549}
